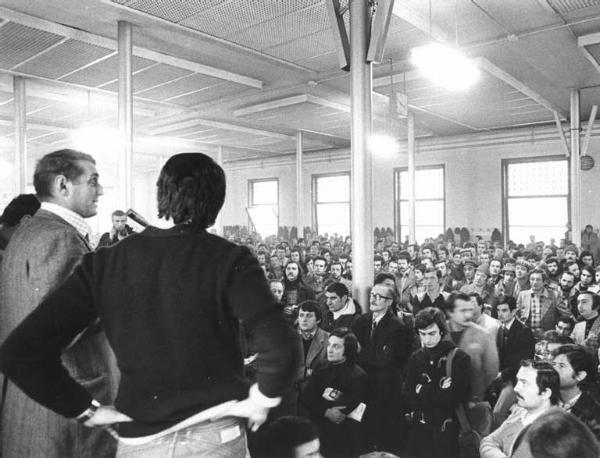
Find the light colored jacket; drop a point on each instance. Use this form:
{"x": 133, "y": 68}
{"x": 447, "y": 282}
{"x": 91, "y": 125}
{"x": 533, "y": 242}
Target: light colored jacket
{"x": 42, "y": 252}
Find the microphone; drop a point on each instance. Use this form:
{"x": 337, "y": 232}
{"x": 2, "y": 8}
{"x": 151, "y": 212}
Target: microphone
{"x": 135, "y": 216}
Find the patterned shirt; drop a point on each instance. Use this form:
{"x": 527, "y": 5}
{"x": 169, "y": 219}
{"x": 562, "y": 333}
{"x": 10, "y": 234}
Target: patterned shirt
{"x": 70, "y": 217}
{"x": 536, "y": 312}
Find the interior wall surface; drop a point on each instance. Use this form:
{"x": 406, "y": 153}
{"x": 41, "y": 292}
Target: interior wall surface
{"x": 473, "y": 183}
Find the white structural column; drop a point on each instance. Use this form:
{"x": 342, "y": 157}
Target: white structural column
{"x": 411, "y": 178}
{"x": 361, "y": 167}
{"x": 219, "y": 221}
{"x": 299, "y": 199}
{"x": 575, "y": 169}
{"x": 126, "y": 111}
{"x": 20, "y": 134}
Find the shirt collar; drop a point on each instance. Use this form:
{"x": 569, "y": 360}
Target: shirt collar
{"x": 509, "y": 324}
{"x": 70, "y": 217}
{"x": 347, "y": 309}
{"x": 569, "y": 405}
{"x": 307, "y": 335}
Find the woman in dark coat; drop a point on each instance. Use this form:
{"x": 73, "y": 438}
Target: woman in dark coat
{"x": 431, "y": 395}
{"x": 334, "y": 392}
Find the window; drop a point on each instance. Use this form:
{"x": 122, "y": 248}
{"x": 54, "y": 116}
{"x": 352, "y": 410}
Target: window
{"x": 263, "y": 206}
{"x": 429, "y": 202}
{"x": 536, "y": 199}
{"x": 331, "y": 204}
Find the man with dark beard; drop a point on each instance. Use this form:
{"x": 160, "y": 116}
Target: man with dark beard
{"x": 295, "y": 291}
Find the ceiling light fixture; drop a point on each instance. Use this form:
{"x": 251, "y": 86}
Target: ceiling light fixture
{"x": 445, "y": 66}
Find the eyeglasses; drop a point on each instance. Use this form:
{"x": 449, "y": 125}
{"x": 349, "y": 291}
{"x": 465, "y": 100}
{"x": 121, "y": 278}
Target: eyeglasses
{"x": 378, "y": 297}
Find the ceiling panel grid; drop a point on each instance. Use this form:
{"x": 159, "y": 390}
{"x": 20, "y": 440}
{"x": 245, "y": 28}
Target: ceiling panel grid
{"x": 19, "y": 42}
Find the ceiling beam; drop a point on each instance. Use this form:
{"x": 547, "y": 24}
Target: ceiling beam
{"x": 110, "y": 43}
{"x": 418, "y": 19}
{"x": 397, "y": 78}
{"x": 497, "y": 72}
{"x": 293, "y": 100}
{"x": 191, "y": 122}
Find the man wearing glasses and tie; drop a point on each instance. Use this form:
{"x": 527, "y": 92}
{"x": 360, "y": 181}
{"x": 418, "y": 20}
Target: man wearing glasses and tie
{"x": 384, "y": 352}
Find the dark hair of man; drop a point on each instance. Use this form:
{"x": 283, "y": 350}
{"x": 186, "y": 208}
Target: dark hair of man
{"x": 580, "y": 360}
{"x": 339, "y": 289}
{"x": 444, "y": 249}
{"x": 557, "y": 433}
{"x": 429, "y": 270}
{"x": 554, "y": 337}
{"x": 589, "y": 270}
{"x": 478, "y": 299}
{"x": 570, "y": 263}
{"x": 585, "y": 253}
{"x": 62, "y": 162}
{"x": 378, "y": 258}
{"x": 539, "y": 272}
{"x": 552, "y": 260}
{"x": 350, "y": 343}
{"x": 404, "y": 255}
{"x": 315, "y": 242}
{"x": 454, "y": 296}
{"x": 191, "y": 189}
{"x": 336, "y": 262}
{"x": 118, "y": 213}
{"x": 566, "y": 319}
{"x": 275, "y": 280}
{"x": 429, "y": 316}
{"x": 509, "y": 300}
{"x": 566, "y": 272}
{"x": 595, "y": 298}
{"x": 319, "y": 258}
{"x": 421, "y": 268}
{"x": 325, "y": 251}
{"x": 311, "y": 306}
{"x": 546, "y": 378}
{"x": 343, "y": 256}
{"x": 280, "y": 438}
{"x": 20, "y": 206}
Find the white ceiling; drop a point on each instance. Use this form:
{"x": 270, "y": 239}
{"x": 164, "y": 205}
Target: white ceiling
{"x": 246, "y": 75}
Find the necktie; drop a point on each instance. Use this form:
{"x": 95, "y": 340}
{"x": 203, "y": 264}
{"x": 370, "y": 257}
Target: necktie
{"x": 373, "y": 327}
{"x": 504, "y": 336}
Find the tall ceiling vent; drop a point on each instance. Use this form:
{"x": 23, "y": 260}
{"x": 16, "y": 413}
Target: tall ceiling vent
{"x": 568, "y": 6}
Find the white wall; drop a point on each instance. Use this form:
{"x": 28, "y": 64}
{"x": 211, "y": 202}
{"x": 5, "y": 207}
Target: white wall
{"x": 473, "y": 179}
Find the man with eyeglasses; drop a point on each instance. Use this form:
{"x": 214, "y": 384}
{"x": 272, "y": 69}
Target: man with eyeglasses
{"x": 384, "y": 352}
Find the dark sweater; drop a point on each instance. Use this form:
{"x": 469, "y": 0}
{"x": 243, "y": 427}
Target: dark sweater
{"x": 170, "y": 302}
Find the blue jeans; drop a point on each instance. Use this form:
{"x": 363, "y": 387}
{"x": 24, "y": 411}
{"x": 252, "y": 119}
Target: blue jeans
{"x": 223, "y": 438}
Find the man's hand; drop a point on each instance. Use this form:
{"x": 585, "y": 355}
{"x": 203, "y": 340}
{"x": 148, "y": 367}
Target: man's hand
{"x": 255, "y": 414}
{"x": 335, "y": 415}
{"x": 106, "y": 416}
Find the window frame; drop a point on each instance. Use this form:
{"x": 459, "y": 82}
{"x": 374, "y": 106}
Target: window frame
{"x": 504, "y": 195}
{"x": 314, "y": 198}
{"x": 397, "y": 200}
{"x": 251, "y": 182}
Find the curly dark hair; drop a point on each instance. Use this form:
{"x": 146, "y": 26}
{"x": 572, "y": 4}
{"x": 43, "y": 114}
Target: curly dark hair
{"x": 191, "y": 189}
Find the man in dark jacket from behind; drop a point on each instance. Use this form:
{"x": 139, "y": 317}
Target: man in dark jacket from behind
{"x": 173, "y": 323}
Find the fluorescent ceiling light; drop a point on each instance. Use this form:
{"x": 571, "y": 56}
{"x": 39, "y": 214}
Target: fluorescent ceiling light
{"x": 98, "y": 140}
{"x": 445, "y": 66}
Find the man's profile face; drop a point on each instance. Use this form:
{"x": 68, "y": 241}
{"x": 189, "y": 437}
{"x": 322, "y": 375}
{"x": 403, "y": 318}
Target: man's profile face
{"x": 574, "y": 269}
{"x": 335, "y": 302}
{"x": 479, "y": 279}
{"x": 564, "y": 329}
{"x": 393, "y": 267}
{"x": 520, "y": 271}
{"x": 469, "y": 271}
{"x": 484, "y": 258}
{"x": 537, "y": 281}
{"x": 377, "y": 266}
{"x": 570, "y": 255}
{"x": 295, "y": 256}
{"x": 84, "y": 191}
{"x": 526, "y": 389}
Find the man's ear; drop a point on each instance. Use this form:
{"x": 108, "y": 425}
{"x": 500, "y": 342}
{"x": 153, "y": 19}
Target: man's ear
{"x": 61, "y": 186}
{"x": 24, "y": 218}
{"x": 580, "y": 376}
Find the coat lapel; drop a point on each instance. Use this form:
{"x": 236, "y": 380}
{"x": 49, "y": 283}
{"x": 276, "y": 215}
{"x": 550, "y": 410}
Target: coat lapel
{"x": 316, "y": 346}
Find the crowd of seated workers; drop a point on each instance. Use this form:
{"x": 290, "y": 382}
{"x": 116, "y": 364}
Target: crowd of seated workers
{"x": 479, "y": 341}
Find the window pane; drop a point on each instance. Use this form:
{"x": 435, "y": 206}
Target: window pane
{"x": 429, "y": 213}
{"x": 429, "y": 184}
{"x": 265, "y": 219}
{"x": 264, "y": 192}
{"x": 333, "y": 189}
{"x": 333, "y": 219}
{"x": 538, "y": 178}
{"x": 520, "y": 234}
{"x": 538, "y": 211}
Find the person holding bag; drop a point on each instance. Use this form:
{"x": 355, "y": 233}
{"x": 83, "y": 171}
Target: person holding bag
{"x": 432, "y": 396}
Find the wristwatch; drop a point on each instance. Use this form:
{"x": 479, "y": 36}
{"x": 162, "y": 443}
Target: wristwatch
{"x": 89, "y": 412}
